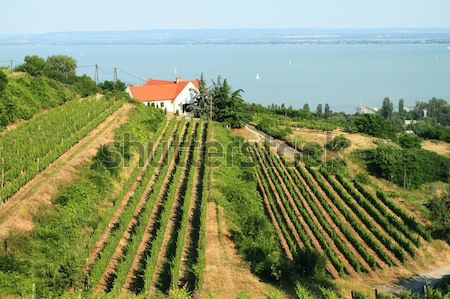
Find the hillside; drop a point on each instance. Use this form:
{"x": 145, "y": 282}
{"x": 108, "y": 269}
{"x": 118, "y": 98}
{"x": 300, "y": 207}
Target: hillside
{"x": 25, "y": 95}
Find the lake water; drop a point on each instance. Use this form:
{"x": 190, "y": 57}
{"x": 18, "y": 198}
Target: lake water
{"x": 341, "y": 75}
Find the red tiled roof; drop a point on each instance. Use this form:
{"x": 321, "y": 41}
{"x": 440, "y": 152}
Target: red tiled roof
{"x": 160, "y": 90}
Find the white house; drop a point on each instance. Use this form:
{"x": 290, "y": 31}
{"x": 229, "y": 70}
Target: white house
{"x": 172, "y": 96}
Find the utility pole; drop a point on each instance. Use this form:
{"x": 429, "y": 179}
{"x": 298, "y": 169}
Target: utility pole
{"x": 11, "y": 65}
{"x": 96, "y": 74}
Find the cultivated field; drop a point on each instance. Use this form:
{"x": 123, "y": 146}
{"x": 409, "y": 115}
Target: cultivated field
{"x": 154, "y": 240}
{"x": 358, "y": 231}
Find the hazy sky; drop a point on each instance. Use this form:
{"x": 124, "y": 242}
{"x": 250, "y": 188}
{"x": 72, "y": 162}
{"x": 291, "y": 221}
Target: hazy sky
{"x": 23, "y": 16}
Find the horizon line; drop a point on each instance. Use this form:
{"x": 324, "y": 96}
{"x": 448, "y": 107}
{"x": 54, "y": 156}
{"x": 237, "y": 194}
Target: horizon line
{"x": 226, "y": 29}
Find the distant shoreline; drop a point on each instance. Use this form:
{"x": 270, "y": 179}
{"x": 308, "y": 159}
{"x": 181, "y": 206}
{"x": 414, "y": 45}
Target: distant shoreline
{"x": 234, "y": 37}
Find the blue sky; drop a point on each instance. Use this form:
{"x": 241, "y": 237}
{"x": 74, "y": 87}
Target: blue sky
{"x": 30, "y": 16}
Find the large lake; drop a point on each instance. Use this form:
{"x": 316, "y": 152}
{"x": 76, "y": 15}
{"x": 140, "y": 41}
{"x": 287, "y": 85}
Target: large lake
{"x": 341, "y": 75}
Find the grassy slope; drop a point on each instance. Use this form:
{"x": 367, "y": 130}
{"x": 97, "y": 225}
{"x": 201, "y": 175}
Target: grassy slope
{"x": 32, "y": 94}
{"x": 54, "y": 252}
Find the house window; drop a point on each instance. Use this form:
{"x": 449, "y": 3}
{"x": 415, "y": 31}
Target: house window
{"x": 162, "y": 105}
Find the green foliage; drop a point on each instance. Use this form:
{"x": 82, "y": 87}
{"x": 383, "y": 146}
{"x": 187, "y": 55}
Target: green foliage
{"x": 85, "y": 86}
{"x": 310, "y": 263}
{"x": 440, "y": 214}
{"x": 202, "y": 105}
{"x": 30, "y": 148}
{"x": 234, "y": 186}
{"x": 338, "y": 143}
{"x": 53, "y": 253}
{"x": 429, "y": 128}
{"x": 61, "y": 68}
{"x": 34, "y": 65}
{"x": 112, "y": 86}
{"x": 311, "y": 153}
{"x": 3, "y": 81}
{"x": 319, "y": 111}
{"x": 182, "y": 293}
{"x": 438, "y": 109}
{"x": 407, "y": 167}
{"x": 409, "y": 140}
{"x": 25, "y": 95}
{"x": 328, "y": 112}
{"x": 302, "y": 292}
{"x": 335, "y": 166}
{"x": 269, "y": 125}
{"x": 362, "y": 177}
{"x": 374, "y": 125}
{"x": 387, "y": 108}
{"x": 229, "y": 106}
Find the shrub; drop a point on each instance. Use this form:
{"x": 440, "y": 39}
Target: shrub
{"x": 338, "y": 143}
{"x": 3, "y": 81}
{"x": 407, "y": 167}
{"x": 34, "y": 65}
{"x": 310, "y": 263}
{"x": 85, "y": 86}
{"x": 409, "y": 140}
{"x": 312, "y": 153}
{"x": 362, "y": 177}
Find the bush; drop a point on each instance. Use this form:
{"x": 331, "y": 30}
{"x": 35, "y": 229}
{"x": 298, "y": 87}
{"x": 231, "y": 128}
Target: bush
{"x": 374, "y": 125}
{"x": 336, "y": 166}
{"x": 310, "y": 263}
{"x": 85, "y": 86}
{"x": 407, "y": 167}
{"x": 3, "y": 81}
{"x": 34, "y": 65}
{"x": 338, "y": 143}
{"x": 362, "y": 177}
{"x": 111, "y": 86}
{"x": 312, "y": 153}
{"x": 409, "y": 140}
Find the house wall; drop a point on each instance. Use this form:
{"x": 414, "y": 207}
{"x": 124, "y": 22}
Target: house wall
{"x": 186, "y": 96}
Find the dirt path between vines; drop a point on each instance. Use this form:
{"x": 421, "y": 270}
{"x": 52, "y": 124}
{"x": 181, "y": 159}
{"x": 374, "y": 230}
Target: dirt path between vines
{"x": 17, "y": 213}
{"x": 225, "y": 274}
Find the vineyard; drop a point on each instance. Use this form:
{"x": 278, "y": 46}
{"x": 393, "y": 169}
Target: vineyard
{"x": 29, "y": 149}
{"x": 154, "y": 240}
{"x": 356, "y": 230}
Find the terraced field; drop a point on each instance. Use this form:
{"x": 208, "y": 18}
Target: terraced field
{"x": 358, "y": 232}
{"x": 154, "y": 239}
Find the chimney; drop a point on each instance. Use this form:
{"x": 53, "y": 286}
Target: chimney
{"x": 178, "y": 80}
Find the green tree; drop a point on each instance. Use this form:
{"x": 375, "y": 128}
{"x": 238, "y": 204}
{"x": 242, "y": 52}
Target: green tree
{"x": 328, "y": 111}
{"x": 202, "y": 104}
{"x": 306, "y": 108}
{"x": 34, "y": 65}
{"x": 409, "y": 140}
{"x": 3, "y": 81}
{"x": 85, "y": 86}
{"x": 229, "y": 106}
{"x": 113, "y": 86}
{"x": 401, "y": 107}
{"x": 319, "y": 111}
{"x": 387, "y": 108}
{"x": 61, "y": 68}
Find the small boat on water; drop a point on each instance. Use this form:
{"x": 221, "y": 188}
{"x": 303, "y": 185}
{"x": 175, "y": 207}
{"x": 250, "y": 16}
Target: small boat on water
{"x": 258, "y": 77}
{"x": 448, "y": 48}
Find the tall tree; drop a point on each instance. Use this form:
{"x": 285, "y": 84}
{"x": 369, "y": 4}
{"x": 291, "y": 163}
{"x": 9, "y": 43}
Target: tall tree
{"x": 328, "y": 111}
{"x": 34, "y": 65}
{"x": 319, "y": 111}
{"x": 202, "y": 105}
{"x": 387, "y": 108}
{"x": 61, "y": 67}
{"x": 401, "y": 107}
{"x": 306, "y": 108}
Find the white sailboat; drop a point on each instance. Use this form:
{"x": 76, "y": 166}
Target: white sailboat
{"x": 175, "y": 71}
{"x": 258, "y": 77}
